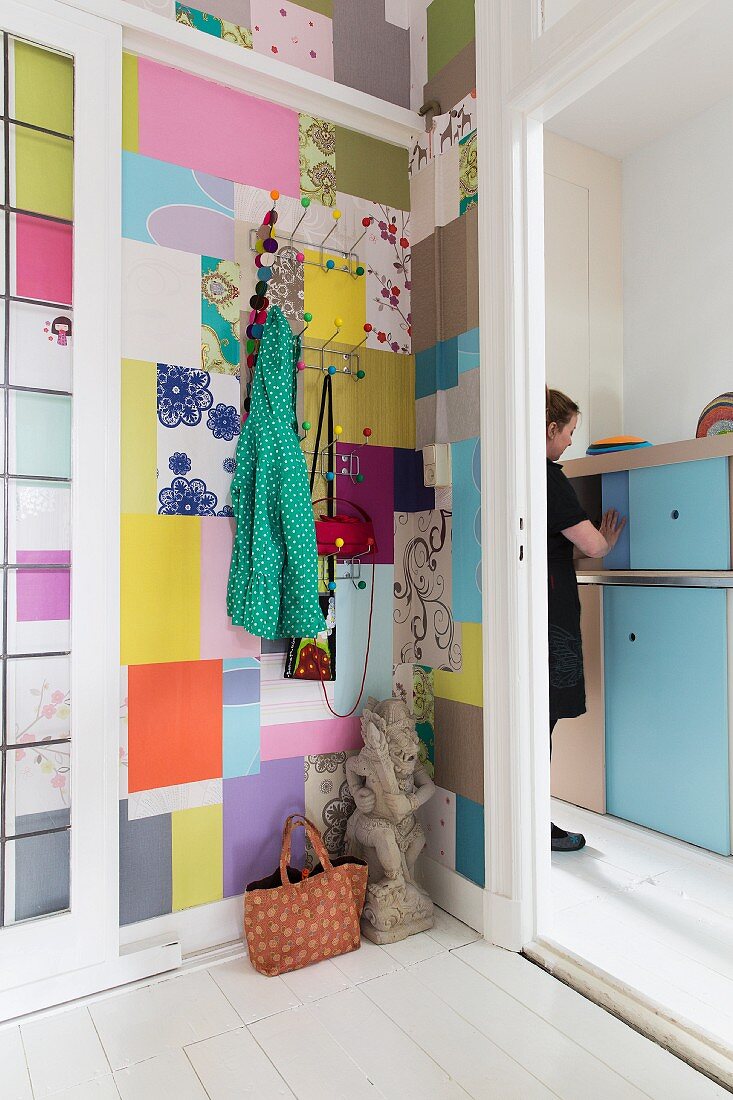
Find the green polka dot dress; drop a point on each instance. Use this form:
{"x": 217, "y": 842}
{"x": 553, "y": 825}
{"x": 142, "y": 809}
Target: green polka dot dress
{"x": 273, "y": 580}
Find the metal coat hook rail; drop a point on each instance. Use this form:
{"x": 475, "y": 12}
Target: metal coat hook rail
{"x": 351, "y": 263}
{"x": 352, "y": 570}
{"x": 329, "y": 358}
{"x": 351, "y": 465}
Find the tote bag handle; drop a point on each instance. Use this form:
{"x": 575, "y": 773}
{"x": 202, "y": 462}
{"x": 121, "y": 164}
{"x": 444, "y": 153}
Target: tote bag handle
{"x": 292, "y": 822}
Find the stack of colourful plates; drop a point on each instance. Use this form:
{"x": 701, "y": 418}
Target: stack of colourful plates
{"x": 617, "y": 443}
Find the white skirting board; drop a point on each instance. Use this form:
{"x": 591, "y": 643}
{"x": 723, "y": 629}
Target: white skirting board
{"x": 198, "y": 929}
{"x": 457, "y": 895}
{"x": 646, "y": 1016}
{"x": 139, "y": 960}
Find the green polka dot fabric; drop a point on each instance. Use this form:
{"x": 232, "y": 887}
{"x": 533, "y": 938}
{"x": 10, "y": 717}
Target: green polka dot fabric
{"x": 273, "y": 580}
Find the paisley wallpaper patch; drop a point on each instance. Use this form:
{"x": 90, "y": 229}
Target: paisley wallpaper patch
{"x": 424, "y": 629}
{"x": 220, "y": 318}
{"x": 328, "y": 801}
{"x": 317, "y": 159}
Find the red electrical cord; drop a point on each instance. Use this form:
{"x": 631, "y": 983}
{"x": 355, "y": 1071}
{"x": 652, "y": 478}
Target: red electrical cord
{"x": 366, "y": 663}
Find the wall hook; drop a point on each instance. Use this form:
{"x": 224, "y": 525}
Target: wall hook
{"x": 336, "y": 217}
{"x": 305, "y": 203}
{"x": 338, "y": 322}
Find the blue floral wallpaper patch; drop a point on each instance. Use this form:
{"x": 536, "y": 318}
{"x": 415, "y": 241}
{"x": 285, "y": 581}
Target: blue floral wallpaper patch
{"x": 183, "y": 394}
{"x": 198, "y": 429}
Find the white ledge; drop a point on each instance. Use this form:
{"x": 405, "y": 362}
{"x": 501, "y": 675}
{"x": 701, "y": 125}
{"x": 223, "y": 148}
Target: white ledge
{"x": 160, "y": 39}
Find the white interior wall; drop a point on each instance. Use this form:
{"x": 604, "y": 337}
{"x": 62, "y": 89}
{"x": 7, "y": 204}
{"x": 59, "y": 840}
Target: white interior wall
{"x": 678, "y": 275}
{"x": 584, "y": 300}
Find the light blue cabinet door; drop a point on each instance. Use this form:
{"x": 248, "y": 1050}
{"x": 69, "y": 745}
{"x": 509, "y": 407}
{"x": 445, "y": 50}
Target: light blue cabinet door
{"x": 615, "y": 494}
{"x": 680, "y": 516}
{"x": 665, "y": 665}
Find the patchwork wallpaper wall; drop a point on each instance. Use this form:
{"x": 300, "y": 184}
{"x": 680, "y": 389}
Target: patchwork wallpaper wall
{"x": 438, "y": 542}
{"x": 363, "y": 44}
{"x": 216, "y": 747}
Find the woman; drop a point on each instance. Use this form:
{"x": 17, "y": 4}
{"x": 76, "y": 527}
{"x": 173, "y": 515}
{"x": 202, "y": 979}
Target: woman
{"x": 569, "y": 534}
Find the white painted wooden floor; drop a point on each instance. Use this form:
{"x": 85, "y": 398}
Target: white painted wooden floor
{"x": 652, "y": 911}
{"x": 439, "y": 1016}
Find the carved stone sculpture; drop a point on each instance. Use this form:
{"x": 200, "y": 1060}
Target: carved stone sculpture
{"x": 388, "y": 784}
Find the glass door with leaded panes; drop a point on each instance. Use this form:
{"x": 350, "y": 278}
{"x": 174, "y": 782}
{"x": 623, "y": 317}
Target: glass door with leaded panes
{"x": 38, "y": 339}
{"x": 54, "y": 428}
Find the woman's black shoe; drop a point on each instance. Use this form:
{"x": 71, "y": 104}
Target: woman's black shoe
{"x": 561, "y": 841}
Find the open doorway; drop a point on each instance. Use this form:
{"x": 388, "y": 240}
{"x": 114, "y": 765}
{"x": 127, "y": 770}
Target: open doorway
{"x": 639, "y": 331}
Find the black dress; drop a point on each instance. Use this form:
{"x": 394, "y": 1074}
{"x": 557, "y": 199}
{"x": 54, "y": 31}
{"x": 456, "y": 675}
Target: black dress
{"x": 567, "y": 684}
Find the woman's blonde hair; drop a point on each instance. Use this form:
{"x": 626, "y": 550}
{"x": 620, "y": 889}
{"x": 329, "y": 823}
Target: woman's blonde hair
{"x": 559, "y": 408}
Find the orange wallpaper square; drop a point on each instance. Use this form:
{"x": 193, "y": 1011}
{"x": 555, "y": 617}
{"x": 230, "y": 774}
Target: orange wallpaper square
{"x": 174, "y": 723}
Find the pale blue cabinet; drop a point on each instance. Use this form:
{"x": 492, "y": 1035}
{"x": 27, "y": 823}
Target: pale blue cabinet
{"x": 666, "y": 700}
{"x": 680, "y": 516}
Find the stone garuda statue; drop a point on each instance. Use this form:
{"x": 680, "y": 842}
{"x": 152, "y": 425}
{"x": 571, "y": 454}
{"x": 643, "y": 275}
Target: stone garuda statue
{"x": 388, "y": 784}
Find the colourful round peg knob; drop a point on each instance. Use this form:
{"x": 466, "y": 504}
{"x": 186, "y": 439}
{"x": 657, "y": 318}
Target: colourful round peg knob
{"x": 330, "y": 475}
{"x": 273, "y": 218}
{"x": 367, "y": 327}
{"x": 332, "y": 371}
{"x": 330, "y": 265}
{"x": 361, "y": 374}
{"x": 366, "y": 222}
{"x": 307, "y": 317}
{"x": 274, "y": 195}
{"x": 370, "y": 542}
{"x": 361, "y": 585}
{"x": 306, "y": 425}
{"x": 339, "y": 543}
{"x": 305, "y": 202}
{"x": 301, "y": 365}
{"x": 338, "y": 322}
{"x": 336, "y": 215}
{"x": 332, "y": 586}
{"x": 359, "y": 478}
{"x": 338, "y": 430}
{"x": 360, "y": 270}
{"x": 266, "y": 219}
{"x": 366, "y": 432}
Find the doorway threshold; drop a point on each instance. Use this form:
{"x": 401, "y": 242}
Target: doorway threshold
{"x": 643, "y": 925}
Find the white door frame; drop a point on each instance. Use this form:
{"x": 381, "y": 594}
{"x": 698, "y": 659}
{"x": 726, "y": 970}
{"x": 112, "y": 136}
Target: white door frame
{"x": 44, "y": 951}
{"x": 511, "y": 302}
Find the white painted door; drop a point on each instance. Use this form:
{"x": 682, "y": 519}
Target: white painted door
{"x": 60, "y": 87}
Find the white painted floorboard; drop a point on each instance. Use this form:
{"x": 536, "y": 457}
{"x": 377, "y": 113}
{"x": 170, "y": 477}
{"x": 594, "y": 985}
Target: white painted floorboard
{"x": 653, "y": 912}
{"x": 63, "y": 1051}
{"x": 441, "y": 1018}
{"x": 16, "y": 1082}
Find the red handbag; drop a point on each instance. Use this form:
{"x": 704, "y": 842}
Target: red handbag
{"x": 357, "y": 532}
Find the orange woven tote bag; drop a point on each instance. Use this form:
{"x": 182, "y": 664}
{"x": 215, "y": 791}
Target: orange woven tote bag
{"x": 292, "y": 920}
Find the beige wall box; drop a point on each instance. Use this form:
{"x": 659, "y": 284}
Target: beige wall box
{"x": 436, "y": 464}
